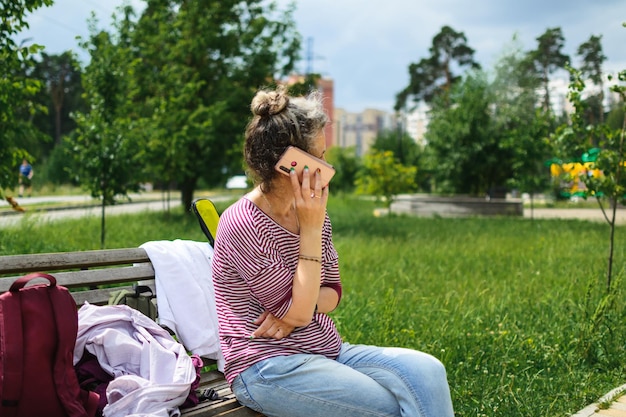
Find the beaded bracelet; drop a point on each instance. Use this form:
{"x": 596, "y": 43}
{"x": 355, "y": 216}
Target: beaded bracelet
{"x": 317, "y": 259}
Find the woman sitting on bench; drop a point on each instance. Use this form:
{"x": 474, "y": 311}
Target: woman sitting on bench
{"x": 276, "y": 276}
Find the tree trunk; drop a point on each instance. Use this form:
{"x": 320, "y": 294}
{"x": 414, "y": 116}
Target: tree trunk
{"x": 102, "y": 223}
{"x": 57, "y": 123}
{"x": 187, "y": 188}
{"x": 57, "y": 94}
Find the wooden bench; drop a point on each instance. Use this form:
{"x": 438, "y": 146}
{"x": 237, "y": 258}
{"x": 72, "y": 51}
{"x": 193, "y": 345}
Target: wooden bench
{"x": 87, "y": 273}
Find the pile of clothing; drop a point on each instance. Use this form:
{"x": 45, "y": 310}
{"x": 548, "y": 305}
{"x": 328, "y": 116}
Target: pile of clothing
{"x": 135, "y": 365}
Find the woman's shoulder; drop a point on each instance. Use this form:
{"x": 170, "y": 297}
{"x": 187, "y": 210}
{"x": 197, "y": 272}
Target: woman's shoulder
{"x": 242, "y": 209}
{"x": 240, "y": 218}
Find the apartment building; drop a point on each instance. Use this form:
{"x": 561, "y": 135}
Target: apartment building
{"x": 360, "y": 129}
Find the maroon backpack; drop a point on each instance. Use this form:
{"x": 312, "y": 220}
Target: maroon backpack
{"x": 38, "y": 327}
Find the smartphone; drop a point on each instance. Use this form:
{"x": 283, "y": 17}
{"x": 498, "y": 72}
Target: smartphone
{"x": 298, "y": 159}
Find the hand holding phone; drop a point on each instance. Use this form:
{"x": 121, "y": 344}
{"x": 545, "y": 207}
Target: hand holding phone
{"x": 297, "y": 158}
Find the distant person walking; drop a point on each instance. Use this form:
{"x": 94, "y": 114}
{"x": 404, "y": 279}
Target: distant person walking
{"x": 25, "y": 179}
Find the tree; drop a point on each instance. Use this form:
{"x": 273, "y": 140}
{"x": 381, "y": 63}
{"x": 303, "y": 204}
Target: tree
{"x": 199, "y": 65}
{"x": 384, "y": 177}
{"x": 522, "y": 130}
{"x": 610, "y": 159}
{"x": 547, "y": 58}
{"x": 464, "y": 153}
{"x": 305, "y": 85}
{"x": 16, "y": 89}
{"x": 592, "y": 59}
{"x": 347, "y": 164}
{"x": 61, "y": 77}
{"x": 106, "y": 154}
{"x": 604, "y": 180}
{"x": 405, "y": 150}
{"x": 434, "y": 76}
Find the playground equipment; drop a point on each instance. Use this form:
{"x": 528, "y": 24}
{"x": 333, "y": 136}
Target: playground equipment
{"x": 568, "y": 176}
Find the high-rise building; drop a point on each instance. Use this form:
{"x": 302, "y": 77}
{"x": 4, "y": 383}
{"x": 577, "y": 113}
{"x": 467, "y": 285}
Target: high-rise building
{"x": 328, "y": 93}
{"x": 326, "y": 86}
{"x": 360, "y": 129}
{"x": 416, "y": 122}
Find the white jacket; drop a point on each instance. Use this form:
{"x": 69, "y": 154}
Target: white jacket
{"x": 185, "y": 295}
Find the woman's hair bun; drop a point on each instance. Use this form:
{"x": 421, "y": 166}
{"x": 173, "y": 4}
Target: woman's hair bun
{"x": 269, "y": 103}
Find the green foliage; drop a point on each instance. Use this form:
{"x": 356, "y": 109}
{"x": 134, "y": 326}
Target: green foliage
{"x": 610, "y": 160}
{"x": 199, "y": 64}
{"x": 486, "y": 133}
{"x": 346, "y": 164}
{"x": 58, "y": 167}
{"x": 406, "y": 151}
{"x": 520, "y": 127}
{"x": 17, "y": 90}
{"x": 105, "y": 148}
{"x": 599, "y": 315}
{"x": 308, "y": 83}
{"x": 615, "y": 117}
{"x": 505, "y": 303}
{"x": 384, "y": 177}
{"x": 465, "y": 152}
{"x": 548, "y": 58}
{"x": 61, "y": 77}
{"x": 404, "y": 148}
{"x": 433, "y": 77}
{"x": 592, "y": 59}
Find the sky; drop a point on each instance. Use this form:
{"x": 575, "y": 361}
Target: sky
{"x": 367, "y": 49}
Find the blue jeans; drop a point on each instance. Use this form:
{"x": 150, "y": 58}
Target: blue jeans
{"x": 362, "y": 381}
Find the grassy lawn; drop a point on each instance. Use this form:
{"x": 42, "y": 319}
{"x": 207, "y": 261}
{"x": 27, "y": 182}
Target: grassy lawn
{"x": 509, "y": 305}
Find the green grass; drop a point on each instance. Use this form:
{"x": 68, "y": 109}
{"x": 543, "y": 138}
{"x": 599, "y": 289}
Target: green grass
{"x": 507, "y": 304}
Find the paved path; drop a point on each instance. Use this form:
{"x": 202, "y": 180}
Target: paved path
{"x": 87, "y": 206}
{"x": 153, "y": 202}
{"x": 84, "y": 206}
{"x": 617, "y": 406}
{"x": 593, "y": 214}
{"x": 52, "y": 215}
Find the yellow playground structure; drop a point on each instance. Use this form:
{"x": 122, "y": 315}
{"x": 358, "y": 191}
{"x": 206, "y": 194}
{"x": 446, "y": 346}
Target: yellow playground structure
{"x": 568, "y": 175}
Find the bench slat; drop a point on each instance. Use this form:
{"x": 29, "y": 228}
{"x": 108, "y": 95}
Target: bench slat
{"x": 226, "y": 408}
{"x": 92, "y": 277}
{"x": 100, "y": 296}
{"x": 70, "y": 260}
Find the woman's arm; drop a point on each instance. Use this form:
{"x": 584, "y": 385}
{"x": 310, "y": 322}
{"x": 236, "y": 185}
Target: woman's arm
{"x": 328, "y": 300}
{"x": 311, "y": 211}
{"x": 271, "y": 326}
{"x": 306, "y": 296}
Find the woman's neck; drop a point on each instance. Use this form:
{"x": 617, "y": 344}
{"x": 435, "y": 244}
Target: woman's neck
{"x": 279, "y": 205}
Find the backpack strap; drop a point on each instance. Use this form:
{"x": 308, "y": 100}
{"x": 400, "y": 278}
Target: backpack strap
{"x": 76, "y": 403}
{"x": 14, "y": 360}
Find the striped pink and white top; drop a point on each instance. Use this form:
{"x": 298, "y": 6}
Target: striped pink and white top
{"x": 253, "y": 268}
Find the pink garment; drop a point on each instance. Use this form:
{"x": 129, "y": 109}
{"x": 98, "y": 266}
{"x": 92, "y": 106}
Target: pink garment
{"x": 254, "y": 263}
